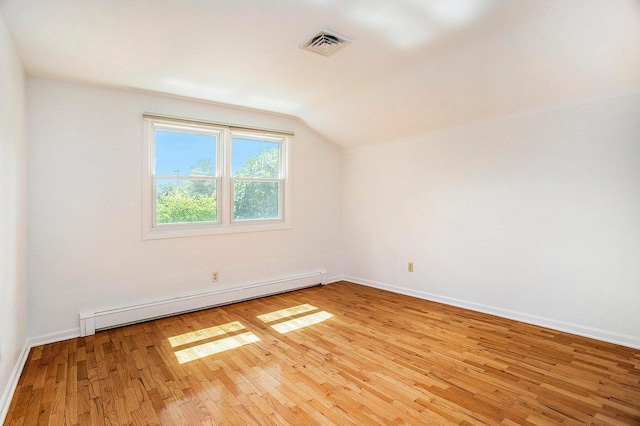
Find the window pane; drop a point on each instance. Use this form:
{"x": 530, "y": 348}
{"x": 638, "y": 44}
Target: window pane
{"x": 255, "y": 158}
{"x": 185, "y": 154}
{"x": 256, "y": 200}
{"x": 186, "y": 201}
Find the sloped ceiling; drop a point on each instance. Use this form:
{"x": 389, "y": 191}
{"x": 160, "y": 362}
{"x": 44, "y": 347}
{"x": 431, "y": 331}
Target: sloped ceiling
{"x": 413, "y": 66}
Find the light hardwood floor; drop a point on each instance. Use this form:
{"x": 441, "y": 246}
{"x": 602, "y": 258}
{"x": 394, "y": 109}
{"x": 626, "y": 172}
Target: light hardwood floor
{"x": 358, "y": 356}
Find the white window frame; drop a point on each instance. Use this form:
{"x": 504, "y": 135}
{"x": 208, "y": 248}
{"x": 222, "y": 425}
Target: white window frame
{"x": 280, "y": 179}
{"x": 224, "y": 181}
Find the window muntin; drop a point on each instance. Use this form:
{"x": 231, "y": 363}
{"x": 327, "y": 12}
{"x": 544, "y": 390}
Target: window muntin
{"x": 203, "y": 178}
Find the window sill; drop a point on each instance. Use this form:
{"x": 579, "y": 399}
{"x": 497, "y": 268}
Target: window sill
{"x": 198, "y": 231}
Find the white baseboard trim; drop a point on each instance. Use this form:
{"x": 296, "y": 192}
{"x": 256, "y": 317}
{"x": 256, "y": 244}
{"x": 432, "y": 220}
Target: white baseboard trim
{"x": 90, "y": 321}
{"x": 53, "y": 337}
{"x": 580, "y": 330}
{"x": 332, "y": 280}
{"x": 32, "y": 342}
{"x": 12, "y": 384}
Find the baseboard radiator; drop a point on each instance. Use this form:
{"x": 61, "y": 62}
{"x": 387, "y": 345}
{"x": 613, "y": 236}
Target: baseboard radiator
{"x": 90, "y": 322}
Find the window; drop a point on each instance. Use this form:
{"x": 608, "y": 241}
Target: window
{"x": 256, "y": 179}
{"x": 204, "y": 178}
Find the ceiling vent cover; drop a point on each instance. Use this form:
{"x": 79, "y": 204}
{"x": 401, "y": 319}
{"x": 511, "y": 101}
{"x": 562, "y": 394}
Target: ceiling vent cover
{"x": 325, "y": 43}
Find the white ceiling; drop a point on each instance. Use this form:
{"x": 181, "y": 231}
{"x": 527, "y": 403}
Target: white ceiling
{"x": 413, "y": 65}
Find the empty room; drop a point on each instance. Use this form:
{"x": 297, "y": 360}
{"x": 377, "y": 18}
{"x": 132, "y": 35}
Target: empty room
{"x": 299, "y": 212}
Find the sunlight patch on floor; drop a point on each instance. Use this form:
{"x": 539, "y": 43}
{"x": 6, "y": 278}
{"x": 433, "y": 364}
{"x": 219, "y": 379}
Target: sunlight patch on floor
{"x": 211, "y": 348}
{"x": 285, "y": 313}
{"x": 205, "y": 333}
{"x": 298, "y": 323}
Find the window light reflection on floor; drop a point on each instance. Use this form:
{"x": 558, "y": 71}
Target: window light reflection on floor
{"x": 285, "y": 313}
{"x": 305, "y": 321}
{"x": 211, "y": 348}
{"x": 205, "y": 333}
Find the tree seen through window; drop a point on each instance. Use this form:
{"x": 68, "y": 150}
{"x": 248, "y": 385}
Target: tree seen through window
{"x": 188, "y": 199}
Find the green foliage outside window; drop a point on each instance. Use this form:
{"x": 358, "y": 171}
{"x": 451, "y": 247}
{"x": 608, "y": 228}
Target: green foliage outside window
{"x": 188, "y": 200}
{"x": 192, "y": 200}
{"x": 258, "y": 200}
{"x": 179, "y": 207}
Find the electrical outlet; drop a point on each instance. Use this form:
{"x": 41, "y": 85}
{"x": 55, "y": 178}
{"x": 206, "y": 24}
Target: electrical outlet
{"x": 215, "y": 277}
{"x": 410, "y": 267}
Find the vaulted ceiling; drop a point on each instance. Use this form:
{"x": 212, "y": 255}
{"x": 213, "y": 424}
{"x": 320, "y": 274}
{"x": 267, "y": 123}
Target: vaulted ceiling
{"x": 413, "y": 66}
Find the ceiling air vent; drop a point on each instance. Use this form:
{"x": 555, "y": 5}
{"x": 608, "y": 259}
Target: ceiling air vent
{"x": 325, "y": 43}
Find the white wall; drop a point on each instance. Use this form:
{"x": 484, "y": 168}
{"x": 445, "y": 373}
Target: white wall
{"x": 85, "y": 208}
{"x": 13, "y": 270}
{"x": 535, "y": 217}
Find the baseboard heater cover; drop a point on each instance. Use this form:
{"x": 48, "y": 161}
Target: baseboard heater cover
{"x": 92, "y": 321}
